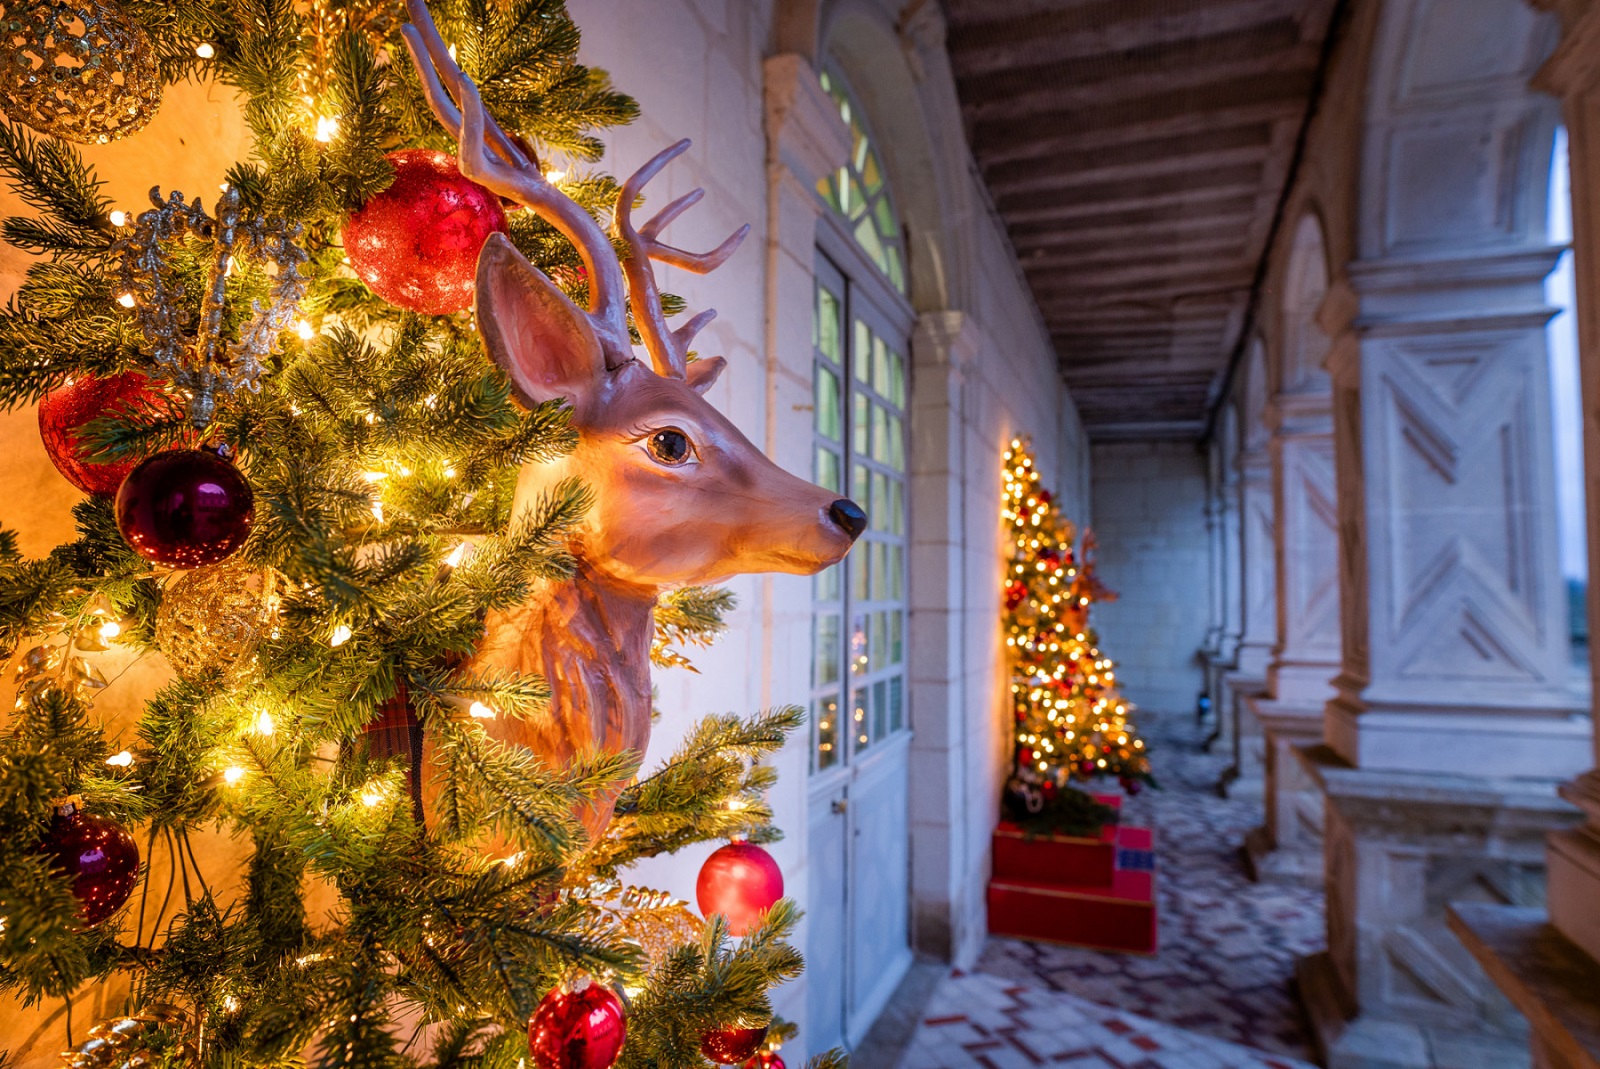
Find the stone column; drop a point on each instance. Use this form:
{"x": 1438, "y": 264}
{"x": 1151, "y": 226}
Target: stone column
{"x": 1455, "y": 712}
{"x": 1220, "y": 656}
{"x": 947, "y": 904}
{"x": 1258, "y": 629}
{"x": 1305, "y": 658}
{"x": 1550, "y": 966}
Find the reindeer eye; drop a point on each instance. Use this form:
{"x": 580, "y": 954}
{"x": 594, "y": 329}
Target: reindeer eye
{"x": 670, "y": 446}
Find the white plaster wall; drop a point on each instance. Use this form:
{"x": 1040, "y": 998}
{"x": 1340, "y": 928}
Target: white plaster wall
{"x": 1149, "y": 507}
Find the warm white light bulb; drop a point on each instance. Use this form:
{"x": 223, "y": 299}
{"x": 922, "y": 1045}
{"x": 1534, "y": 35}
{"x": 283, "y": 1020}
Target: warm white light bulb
{"x": 232, "y": 775}
{"x": 120, "y": 760}
{"x": 481, "y": 711}
{"x": 456, "y": 555}
{"x": 327, "y": 128}
{"x": 126, "y": 300}
{"x": 205, "y": 50}
{"x": 110, "y": 630}
{"x": 340, "y": 636}
{"x": 119, "y": 218}
{"x": 264, "y": 724}
{"x": 305, "y": 330}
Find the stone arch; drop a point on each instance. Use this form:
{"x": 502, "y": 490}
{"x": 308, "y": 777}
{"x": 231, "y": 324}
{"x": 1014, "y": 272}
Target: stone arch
{"x": 1254, "y": 396}
{"x": 1303, "y": 343}
{"x": 858, "y": 37}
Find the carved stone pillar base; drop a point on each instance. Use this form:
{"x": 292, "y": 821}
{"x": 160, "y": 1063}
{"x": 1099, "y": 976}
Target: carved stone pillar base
{"x": 1217, "y": 666}
{"x": 1552, "y": 982}
{"x": 1288, "y": 847}
{"x": 1247, "y": 776}
{"x": 1395, "y": 987}
{"x": 1574, "y": 860}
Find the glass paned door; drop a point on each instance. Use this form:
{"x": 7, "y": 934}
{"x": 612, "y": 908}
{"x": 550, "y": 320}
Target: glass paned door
{"x": 858, "y": 641}
{"x": 858, "y": 904}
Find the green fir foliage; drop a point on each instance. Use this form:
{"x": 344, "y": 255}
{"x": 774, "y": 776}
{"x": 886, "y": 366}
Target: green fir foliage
{"x": 383, "y": 455}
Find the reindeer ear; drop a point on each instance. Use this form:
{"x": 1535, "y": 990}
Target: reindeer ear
{"x": 543, "y": 341}
{"x": 703, "y": 372}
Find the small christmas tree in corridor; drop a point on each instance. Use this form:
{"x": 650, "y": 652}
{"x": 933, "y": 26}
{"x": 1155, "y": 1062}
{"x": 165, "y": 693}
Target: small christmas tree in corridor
{"x": 1071, "y": 723}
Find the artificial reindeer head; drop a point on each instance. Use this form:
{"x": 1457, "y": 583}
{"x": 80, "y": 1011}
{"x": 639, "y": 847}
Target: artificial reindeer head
{"x": 681, "y": 496}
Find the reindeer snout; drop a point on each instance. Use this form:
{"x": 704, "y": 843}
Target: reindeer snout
{"x": 849, "y": 516}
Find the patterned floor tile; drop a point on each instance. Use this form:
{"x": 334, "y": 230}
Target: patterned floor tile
{"x": 1019, "y": 1027}
{"x": 1227, "y": 946}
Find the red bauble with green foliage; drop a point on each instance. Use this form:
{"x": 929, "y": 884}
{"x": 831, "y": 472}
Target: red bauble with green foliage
{"x": 729, "y": 1046}
{"x": 185, "y": 508}
{"x": 65, "y": 410}
{"x": 741, "y": 882}
{"x": 99, "y": 857}
{"x": 578, "y": 1028}
{"x": 416, "y": 244}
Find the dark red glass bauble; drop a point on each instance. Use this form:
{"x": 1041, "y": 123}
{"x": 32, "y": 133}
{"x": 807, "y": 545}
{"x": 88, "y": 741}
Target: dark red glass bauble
{"x": 741, "y": 882}
{"x": 1131, "y": 785}
{"x": 767, "y": 1059}
{"x": 577, "y": 1029}
{"x": 416, "y": 244}
{"x": 63, "y": 412}
{"x": 98, "y": 855}
{"x": 185, "y": 508}
{"x": 728, "y": 1046}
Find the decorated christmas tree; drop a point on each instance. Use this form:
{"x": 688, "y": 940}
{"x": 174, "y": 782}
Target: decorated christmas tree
{"x": 349, "y": 439}
{"x": 1072, "y": 725}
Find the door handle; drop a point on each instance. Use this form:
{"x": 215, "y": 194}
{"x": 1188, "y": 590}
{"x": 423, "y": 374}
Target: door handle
{"x": 840, "y": 805}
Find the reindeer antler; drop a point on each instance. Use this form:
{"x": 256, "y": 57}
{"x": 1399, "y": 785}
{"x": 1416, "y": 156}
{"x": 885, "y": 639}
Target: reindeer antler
{"x": 510, "y": 172}
{"x": 668, "y": 348}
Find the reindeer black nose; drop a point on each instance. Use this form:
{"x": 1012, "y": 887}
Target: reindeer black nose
{"x": 848, "y": 515}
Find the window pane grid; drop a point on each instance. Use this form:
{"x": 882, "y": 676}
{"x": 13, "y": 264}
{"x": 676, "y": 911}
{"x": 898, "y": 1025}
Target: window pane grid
{"x": 860, "y": 625}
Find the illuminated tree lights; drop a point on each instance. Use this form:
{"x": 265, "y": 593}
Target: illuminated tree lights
{"x": 1071, "y": 722}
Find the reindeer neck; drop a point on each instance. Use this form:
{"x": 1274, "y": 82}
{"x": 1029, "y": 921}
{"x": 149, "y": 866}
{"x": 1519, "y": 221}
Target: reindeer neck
{"x": 589, "y": 637}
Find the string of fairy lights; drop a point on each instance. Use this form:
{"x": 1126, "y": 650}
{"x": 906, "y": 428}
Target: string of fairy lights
{"x": 1071, "y": 721}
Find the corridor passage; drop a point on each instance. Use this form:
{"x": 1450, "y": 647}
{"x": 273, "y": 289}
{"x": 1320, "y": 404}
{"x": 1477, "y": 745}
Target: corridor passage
{"x": 1223, "y": 970}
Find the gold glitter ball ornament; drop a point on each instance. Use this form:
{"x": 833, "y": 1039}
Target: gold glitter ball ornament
{"x": 214, "y": 618}
{"x": 79, "y": 70}
{"x": 157, "y": 1037}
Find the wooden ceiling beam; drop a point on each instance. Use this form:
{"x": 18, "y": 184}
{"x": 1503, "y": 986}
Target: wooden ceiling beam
{"x": 1070, "y": 136}
{"x": 1046, "y": 91}
{"x": 1079, "y": 31}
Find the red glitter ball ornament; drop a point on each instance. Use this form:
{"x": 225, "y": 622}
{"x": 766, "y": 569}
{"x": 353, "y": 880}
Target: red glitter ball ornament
{"x": 82, "y": 398}
{"x": 417, "y": 243}
{"x": 185, "y": 508}
{"x": 727, "y": 1046}
{"x": 741, "y": 882}
{"x": 98, "y": 855}
{"x": 577, "y": 1028}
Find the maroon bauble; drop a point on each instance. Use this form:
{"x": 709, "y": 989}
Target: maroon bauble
{"x": 417, "y": 243}
{"x": 98, "y": 855}
{"x": 766, "y": 1059}
{"x": 741, "y": 882}
{"x": 577, "y": 1029}
{"x": 185, "y": 508}
{"x": 727, "y": 1046}
{"x": 1131, "y": 785}
{"x": 82, "y": 398}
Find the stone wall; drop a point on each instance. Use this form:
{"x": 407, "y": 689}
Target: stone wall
{"x": 1149, "y": 514}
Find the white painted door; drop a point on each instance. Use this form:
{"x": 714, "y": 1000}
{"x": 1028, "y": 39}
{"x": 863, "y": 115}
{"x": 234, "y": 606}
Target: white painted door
{"x": 858, "y": 933}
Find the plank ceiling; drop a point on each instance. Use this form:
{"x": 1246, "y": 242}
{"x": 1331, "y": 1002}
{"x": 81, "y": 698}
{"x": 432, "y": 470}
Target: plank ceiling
{"x": 1137, "y": 151}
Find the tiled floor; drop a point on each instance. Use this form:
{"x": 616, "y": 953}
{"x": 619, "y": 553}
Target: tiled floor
{"x": 1227, "y": 953}
{"x": 979, "y": 1021}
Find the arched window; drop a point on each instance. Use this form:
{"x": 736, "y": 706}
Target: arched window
{"x": 859, "y": 191}
{"x": 1566, "y": 407}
